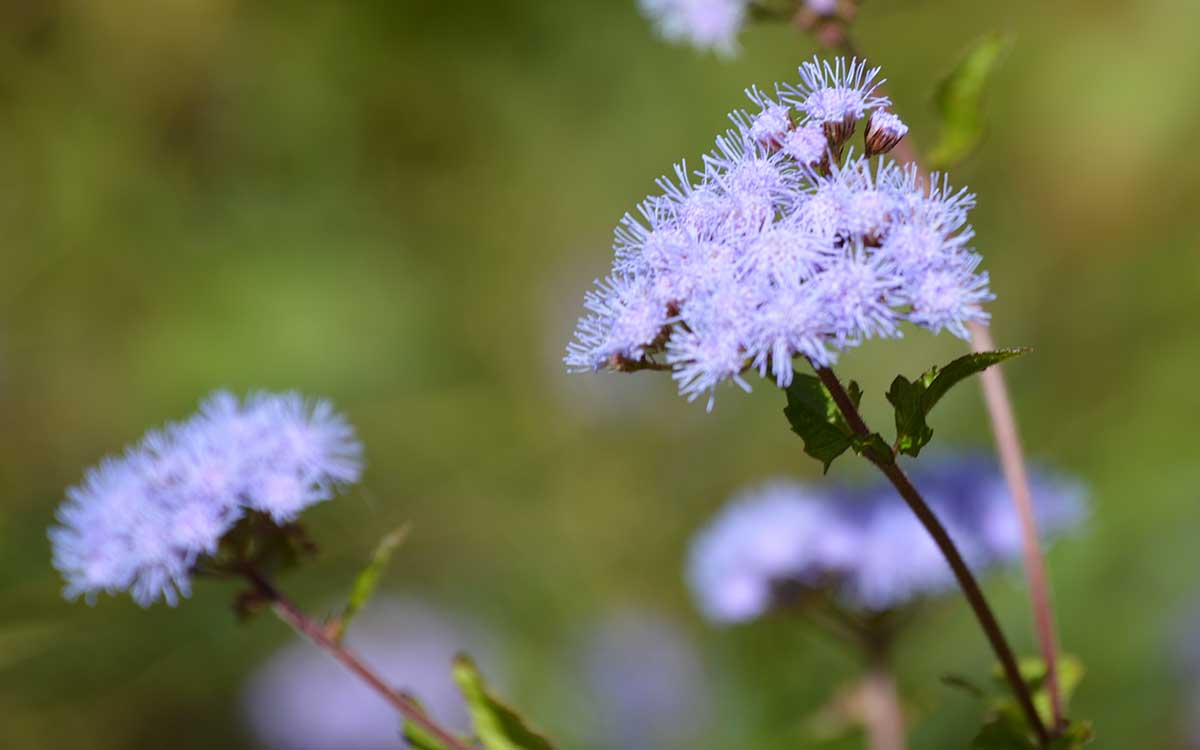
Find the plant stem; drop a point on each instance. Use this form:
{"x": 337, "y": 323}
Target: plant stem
{"x": 1008, "y": 446}
{"x": 880, "y": 706}
{"x": 287, "y": 611}
{"x": 1012, "y": 463}
{"x": 966, "y": 581}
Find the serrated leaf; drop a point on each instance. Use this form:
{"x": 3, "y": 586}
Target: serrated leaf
{"x": 959, "y": 101}
{"x": 908, "y": 398}
{"x": 964, "y": 367}
{"x": 814, "y": 416}
{"x": 367, "y": 581}
{"x": 913, "y": 400}
{"x": 497, "y": 725}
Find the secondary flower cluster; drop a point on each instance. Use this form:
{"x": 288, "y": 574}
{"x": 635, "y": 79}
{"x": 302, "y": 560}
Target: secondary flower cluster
{"x": 863, "y": 545}
{"x": 705, "y": 24}
{"x": 141, "y": 521}
{"x": 712, "y": 24}
{"x": 781, "y": 247}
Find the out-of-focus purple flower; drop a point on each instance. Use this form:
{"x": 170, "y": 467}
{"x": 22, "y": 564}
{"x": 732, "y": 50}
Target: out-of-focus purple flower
{"x": 822, "y": 7}
{"x": 779, "y": 532}
{"x": 140, "y": 522}
{"x": 777, "y": 249}
{"x": 863, "y": 544}
{"x": 645, "y": 683}
{"x": 301, "y": 699}
{"x": 704, "y": 24}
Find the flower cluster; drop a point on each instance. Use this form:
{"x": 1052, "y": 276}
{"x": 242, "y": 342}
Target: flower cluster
{"x": 781, "y": 247}
{"x": 705, "y": 24}
{"x": 863, "y": 545}
{"x": 141, "y": 521}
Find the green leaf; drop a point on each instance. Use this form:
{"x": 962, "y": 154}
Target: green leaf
{"x": 815, "y": 418}
{"x": 1076, "y": 735}
{"x": 959, "y": 101}
{"x": 415, "y": 735}
{"x": 874, "y": 447}
{"x": 1033, "y": 672}
{"x": 366, "y": 581}
{"x": 908, "y": 399}
{"x": 964, "y": 367}
{"x": 498, "y": 726}
{"x": 1003, "y": 733}
{"x": 913, "y": 400}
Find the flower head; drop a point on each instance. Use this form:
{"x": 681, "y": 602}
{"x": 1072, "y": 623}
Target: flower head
{"x": 836, "y": 95}
{"x": 780, "y": 247}
{"x": 863, "y": 546}
{"x": 141, "y": 521}
{"x": 704, "y": 24}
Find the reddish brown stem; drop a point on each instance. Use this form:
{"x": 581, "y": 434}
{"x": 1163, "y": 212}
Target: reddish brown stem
{"x": 962, "y": 572}
{"x": 287, "y": 611}
{"x": 1008, "y": 445}
{"x": 1012, "y": 462}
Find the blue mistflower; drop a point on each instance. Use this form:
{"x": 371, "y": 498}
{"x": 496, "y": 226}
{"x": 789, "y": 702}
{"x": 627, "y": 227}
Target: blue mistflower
{"x": 140, "y": 522}
{"x": 704, "y": 24}
{"x": 863, "y": 545}
{"x": 784, "y": 244}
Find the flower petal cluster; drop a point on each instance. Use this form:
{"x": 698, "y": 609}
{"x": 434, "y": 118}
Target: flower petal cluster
{"x": 777, "y": 247}
{"x": 863, "y": 545}
{"x": 704, "y": 24}
{"x": 139, "y": 522}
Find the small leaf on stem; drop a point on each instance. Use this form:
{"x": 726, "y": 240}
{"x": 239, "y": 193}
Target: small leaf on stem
{"x": 366, "y": 582}
{"x": 815, "y": 418}
{"x": 498, "y": 726}
{"x": 416, "y": 736}
{"x": 959, "y": 101}
{"x": 913, "y": 400}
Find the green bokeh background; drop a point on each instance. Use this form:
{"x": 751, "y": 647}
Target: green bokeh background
{"x": 399, "y": 205}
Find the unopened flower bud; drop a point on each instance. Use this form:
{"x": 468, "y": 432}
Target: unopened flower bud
{"x": 839, "y": 131}
{"x": 884, "y": 131}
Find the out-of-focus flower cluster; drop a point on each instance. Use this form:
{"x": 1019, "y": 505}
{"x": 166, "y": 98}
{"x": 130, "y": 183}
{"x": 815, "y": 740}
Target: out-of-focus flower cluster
{"x": 646, "y": 685}
{"x": 862, "y": 545}
{"x": 140, "y": 522}
{"x": 704, "y": 24}
{"x": 781, "y": 247}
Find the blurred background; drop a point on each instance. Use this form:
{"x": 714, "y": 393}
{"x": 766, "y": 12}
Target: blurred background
{"x": 399, "y": 205}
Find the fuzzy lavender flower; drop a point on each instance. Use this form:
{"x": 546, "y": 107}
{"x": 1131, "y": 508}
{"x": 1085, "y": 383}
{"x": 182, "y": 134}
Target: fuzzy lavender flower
{"x": 836, "y": 95}
{"x": 301, "y": 699}
{"x": 140, "y": 522}
{"x": 863, "y": 545}
{"x": 781, "y": 246}
{"x": 645, "y": 683}
{"x": 705, "y": 24}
